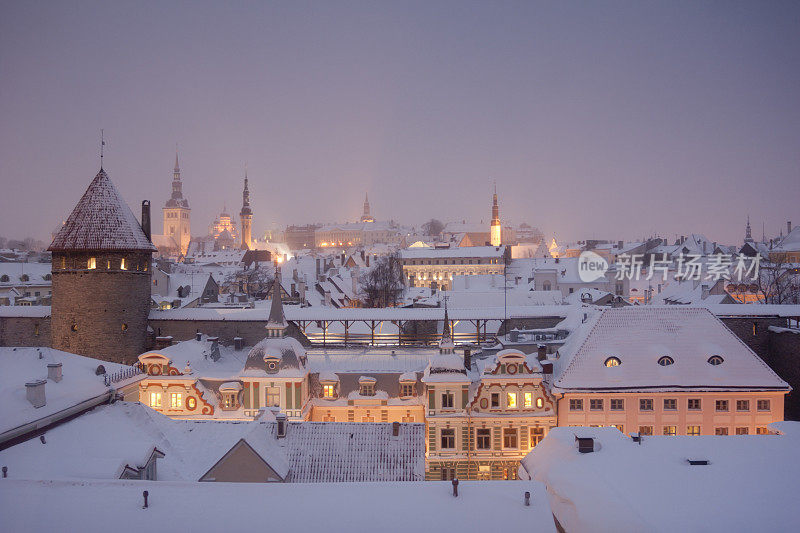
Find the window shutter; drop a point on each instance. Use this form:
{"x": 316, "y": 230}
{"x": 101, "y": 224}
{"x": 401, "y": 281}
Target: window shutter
{"x": 298, "y": 398}
{"x": 431, "y": 399}
{"x": 289, "y": 396}
{"x": 464, "y": 397}
{"x": 246, "y": 396}
{"x": 466, "y": 445}
{"x": 432, "y": 438}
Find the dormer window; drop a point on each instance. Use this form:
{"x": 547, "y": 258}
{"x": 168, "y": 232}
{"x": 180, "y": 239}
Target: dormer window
{"x": 612, "y": 361}
{"x": 329, "y": 391}
{"x": 665, "y": 360}
{"x": 715, "y": 360}
{"x": 273, "y": 364}
{"x": 229, "y": 395}
{"x": 408, "y": 383}
{"x": 407, "y": 390}
{"x": 366, "y": 386}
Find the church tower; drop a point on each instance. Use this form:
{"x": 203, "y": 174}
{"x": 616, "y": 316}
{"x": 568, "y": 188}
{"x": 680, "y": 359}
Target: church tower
{"x": 748, "y": 233}
{"x": 496, "y": 229}
{"x": 246, "y": 216}
{"x": 101, "y": 277}
{"x": 366, "y": 217}
{"x": 177, "y": 221}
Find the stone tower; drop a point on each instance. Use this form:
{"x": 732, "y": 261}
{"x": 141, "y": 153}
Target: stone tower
{"x": 246, "y": 216}
{"x": 366, "y": 216}
{"x": 496, "y": 230}
{"x": 101, "y": 277}
{"x": 177, "y": 221}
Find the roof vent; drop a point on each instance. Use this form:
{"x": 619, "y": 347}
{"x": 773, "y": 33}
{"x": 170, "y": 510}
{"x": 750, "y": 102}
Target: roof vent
{"x": 395, "y": 429}
{"x": 281, "y": 418}
{"x": 697, "y": 462}
{"x": 585, "y": 444}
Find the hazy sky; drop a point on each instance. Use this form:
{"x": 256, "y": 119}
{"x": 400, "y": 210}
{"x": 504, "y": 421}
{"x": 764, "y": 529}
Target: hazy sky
{"x": 596, "y": 119}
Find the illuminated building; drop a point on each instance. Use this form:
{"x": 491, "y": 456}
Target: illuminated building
{"x": 246, "y": 215}
{"x": 177, "y": 220}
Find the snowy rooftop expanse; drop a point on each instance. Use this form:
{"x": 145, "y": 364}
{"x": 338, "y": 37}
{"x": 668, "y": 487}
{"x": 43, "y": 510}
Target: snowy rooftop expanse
{"x": 101, "y": 221}
{"x": 21, "y": 365}
{"x": 750, "y": 483}
{"x": 386, "y": 507}
{"x": 458, "y": 252}
{"x": 639, "y": 336}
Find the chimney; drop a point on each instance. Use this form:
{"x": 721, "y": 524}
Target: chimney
{"x": 318, "y": 268}
{"x": 146, "y": 218}
{"x": 455, "y": 487}
{"x": 341, "y": 260}
{"x": 54, "y": 371}
{"x": 788, "y": 227}
{"x": 467, "y": 358}
{"x": 367, "y": 260}
{"x": 238, "y": 343}
{"x": 395, "y": 429}
{"x": 214, "y": 348}
{"x": 281, "y": 417}
{"x": 513, "y": 335}
{"x": 705, "y": 291}
{"x": 704, "y": 247}
{"x": 541, "y": 352}
{"x": 302, "y": 290}
{"x": 198, "y": 336}
{"x": 547, "y": 368}
{"x": 362, "y": 256}
{"x": 327, "y": 298}
{"x": 34, "y": 392}
{"x": 620, "y": 244}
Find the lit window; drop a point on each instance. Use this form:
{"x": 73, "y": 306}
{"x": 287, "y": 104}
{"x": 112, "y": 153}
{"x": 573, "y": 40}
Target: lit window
{"x": 537, "y": 434}
{"x": 665, "y": 361}
{"x": 122, "y": 264}
{"x": 448, "y": 439}
{"x": 539, "y": 403}
{"x": 229, "y": 400}
{"x": 176, "y": 400}
{"x": 273, "y": 397}
{"x": 575, "y": 405}
{"x": 620, "y": 427}
{"x": 742, "y": 431}
{"x": 510, "y": 438}
{"x": 715, "y": 360}
{"x": 670, "y": 431}
{"x": 91, "y": 263}
{"x": 596, "y": 404}
{"x": 762, "y": 405}
{"x": 646, "y": 404}
{"x": 720, "y": 431}
{"x": 124, "y": 326}
{"x": 721, "y": 405}
{"x": 527, "y": 399}
{"x": 693, "y": 430}
{"x": 617, "y": 404}
{"x": 670, "y": 404}
{"x": 742, "y": 405}
{"x": 329, "y": 391}
{"x": 511, "y": 400}
{"x": 762, "y": 431}
{"x": 483, "y": 438}
{"x": 612, "y": 361}
{"x": 694, "y": 404}
{"x": 155, "y": 399}
{"x": 645, "y": 430}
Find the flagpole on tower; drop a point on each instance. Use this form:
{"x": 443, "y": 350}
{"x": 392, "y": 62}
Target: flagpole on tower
{"x": 102, "y": 144}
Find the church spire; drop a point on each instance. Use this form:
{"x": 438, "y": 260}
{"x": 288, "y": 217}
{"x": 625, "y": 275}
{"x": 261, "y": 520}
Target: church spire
{"x": 748, "y": 234}
{"x": 495, "y": 229}
{"x": 276, "y": 324}
{"x": 366, "y": 216}
{"x": 446, "y": 344}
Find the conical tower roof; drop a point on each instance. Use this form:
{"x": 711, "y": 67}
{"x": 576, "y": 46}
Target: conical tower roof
{"x": 276, "y": 324}
{"x": 101, "y": 221}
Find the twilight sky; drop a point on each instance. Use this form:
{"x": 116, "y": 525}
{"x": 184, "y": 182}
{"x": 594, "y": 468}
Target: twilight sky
{"x": 596, "y": 119}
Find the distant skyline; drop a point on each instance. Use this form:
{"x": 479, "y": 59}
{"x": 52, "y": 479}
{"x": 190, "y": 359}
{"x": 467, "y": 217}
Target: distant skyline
{"x": 612, "y": 120}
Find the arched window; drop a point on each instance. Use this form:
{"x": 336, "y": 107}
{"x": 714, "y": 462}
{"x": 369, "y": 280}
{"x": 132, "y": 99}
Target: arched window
{"x": 612, "y": 361}
{"x": 4, "y": 278}
{"x": 665, "y": 360}
{"x": 715, "y": 360}
{"x": 24, "y": 277}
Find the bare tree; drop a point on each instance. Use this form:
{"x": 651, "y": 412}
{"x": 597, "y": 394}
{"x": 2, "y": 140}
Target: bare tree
{"x": 433, "y": 227}
{"x": 779, "y": 281}
{"x": 250, "y": 281}
{"x": 384, "y": 284}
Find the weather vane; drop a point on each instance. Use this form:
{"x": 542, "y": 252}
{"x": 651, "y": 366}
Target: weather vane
{"x": 102, "y": 144}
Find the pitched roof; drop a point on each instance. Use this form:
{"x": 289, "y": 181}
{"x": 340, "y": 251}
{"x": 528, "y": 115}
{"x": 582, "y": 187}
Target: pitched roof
{"x": 639, "y": 336}
{"x": 101, "y": 221}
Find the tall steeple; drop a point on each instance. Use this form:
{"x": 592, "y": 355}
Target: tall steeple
{"x": 748, "y": 234}
{"x": 177, "y": 221}
{"x": 276, "y": 324}
{"x": 366, "y": 216}
{"x": 495, "y": 229}
{"x": 446, "y": 343}
{"x": 246, "y": 215}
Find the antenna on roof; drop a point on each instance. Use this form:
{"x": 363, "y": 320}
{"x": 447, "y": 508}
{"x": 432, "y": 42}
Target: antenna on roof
{"x": 102, "y": 145}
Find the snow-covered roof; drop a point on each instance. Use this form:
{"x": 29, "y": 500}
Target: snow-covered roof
{"x": 639, "y": 336}
{"x": 459, "y": 252}
{"x": 94, "y": 506}
{"x": 331, "y": 452}
{"x": 790, "y": 243}
{"x": 21, "y": 365}
{"x": 750, "y": 483}
{"x": 101, "y": 221}
{"x": 287, "y": 350}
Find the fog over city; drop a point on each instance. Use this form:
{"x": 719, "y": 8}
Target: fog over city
{"x": 609, "y": 120}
